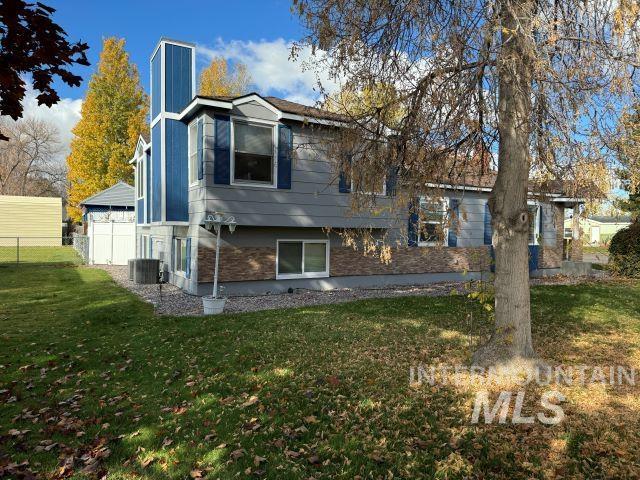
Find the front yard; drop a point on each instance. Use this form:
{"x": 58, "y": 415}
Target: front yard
{"x": 92, "y": 382}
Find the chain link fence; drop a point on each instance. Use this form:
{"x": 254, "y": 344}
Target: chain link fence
{"x": 73, "y": 249}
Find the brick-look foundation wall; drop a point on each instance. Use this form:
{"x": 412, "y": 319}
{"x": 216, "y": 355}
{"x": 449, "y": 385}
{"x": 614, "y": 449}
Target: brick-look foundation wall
{"x": 259, "y": 263}
{"x": 237, "y": 264}
{"x": 551, "y": 256}
{"x": 409, "y": 260}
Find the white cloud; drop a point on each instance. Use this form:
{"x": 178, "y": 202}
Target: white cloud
{"x": 64, "y": 115}
{"x": 271, "y": 69}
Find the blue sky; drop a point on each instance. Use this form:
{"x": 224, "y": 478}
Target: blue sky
{"x": 142, "y": 23}
{"x": 258, "y": 33}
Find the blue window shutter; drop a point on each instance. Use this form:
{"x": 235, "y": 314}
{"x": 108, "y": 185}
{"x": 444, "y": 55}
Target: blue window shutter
{"x": 222, "y": 150}
{"x": 412, "y": 228}
{"x": 392, "y": 178}
{"x": 344, "y": 184}
{"x": 285, "y": 149}
{"x": 453, "y": 236}
{"x": 188, "y": 272}
{"x": 200, "y": 148}
{"x": 488, "y": 233}
{"x": 150, "y": 247}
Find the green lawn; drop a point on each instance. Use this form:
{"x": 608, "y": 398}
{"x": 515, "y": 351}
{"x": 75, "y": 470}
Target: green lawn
{"x": 595, "y": 250}
{"x": 27, "y": 254}
{"x": 91, "y": 379}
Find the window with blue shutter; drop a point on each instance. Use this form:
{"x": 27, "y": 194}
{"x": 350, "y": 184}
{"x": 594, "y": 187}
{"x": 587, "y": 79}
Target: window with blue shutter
{"x": 344, "y": 182}
{"x": 488, "y": 233}
{"x": 222, "y": 150}
{"x": 453, "y": 236}
{"x": 390, "y": 181}
{"x": 285, "y": 151}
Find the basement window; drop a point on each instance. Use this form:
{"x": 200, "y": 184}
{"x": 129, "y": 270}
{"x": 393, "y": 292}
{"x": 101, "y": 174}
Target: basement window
{"x": 302, "y": 259}
{"x": 180, "y": 255}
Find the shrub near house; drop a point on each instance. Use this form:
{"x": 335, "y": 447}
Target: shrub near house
{"x": 625, "y": 251}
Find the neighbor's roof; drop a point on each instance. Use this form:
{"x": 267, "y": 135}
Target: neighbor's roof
{"x": 610, "y": 218}
{"x": 119, "y": 195}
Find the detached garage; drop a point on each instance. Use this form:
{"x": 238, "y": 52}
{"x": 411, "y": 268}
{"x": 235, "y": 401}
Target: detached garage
{"x": 109, "y": 222}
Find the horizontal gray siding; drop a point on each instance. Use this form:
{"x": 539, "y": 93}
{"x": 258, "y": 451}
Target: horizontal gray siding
{"x": 313, "y": 200}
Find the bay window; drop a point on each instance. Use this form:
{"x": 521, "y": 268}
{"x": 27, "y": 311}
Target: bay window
{"x": 302, "y": 259}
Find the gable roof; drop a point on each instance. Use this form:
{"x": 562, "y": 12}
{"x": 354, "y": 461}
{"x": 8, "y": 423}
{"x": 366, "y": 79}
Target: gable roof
{"x": 119, "y": 195}
{"x": 285, "y": 109}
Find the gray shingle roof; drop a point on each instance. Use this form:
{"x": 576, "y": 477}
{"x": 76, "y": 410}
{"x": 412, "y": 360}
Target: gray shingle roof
{"x": 610, "y": 219}
{"x": 119, "y": 195}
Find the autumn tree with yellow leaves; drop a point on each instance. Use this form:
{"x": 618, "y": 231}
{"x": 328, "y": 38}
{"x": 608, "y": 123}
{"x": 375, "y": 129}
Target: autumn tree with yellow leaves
{"x": 221, "y": 79}
{"x": 112, "y": 117}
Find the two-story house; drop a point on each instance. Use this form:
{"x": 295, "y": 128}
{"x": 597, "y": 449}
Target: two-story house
{"x": 236, "y": 156}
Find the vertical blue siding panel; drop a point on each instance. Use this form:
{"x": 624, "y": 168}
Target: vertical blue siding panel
{"x": 285, "y": 149}
{"x": 222, "y": 150}
{"x": 178, "y": 78}
{"x": 176, "y": 158}
{"x": 453, "y": 236}
{"x": 156, "y": 81}
{"x": 156, "y": 173}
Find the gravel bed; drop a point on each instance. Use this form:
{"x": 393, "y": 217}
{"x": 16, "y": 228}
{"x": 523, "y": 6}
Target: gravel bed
{"x": 170, "y": 300}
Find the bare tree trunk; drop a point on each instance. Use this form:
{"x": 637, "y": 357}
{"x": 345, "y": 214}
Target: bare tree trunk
{"x": 511, "y": 339}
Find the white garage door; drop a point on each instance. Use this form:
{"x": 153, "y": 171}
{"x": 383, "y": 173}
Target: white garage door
{"x": 112, "y": 243}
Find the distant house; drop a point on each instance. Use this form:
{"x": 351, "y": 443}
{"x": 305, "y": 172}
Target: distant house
{"x": 109, "y": 222}
{"x": 599, "y": 229}
{"x": 36, "y": 220}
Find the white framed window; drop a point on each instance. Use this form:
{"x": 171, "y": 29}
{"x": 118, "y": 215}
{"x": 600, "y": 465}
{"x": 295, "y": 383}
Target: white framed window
{"x": 432, "y": 222}
{"x": 534, "y": 223}
{"x": 253, "y": 152}
{"x": 180, "y": 255}
{"x": 140, "y": 177}
{"x": 302, "y": 259}
{"x": 193, "y": 149}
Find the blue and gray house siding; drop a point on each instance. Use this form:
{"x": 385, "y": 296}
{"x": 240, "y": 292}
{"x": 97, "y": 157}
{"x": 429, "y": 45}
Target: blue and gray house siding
{"x": 306, "y": 198}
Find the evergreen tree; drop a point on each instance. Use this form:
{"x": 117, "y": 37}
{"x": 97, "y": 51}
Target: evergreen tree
{"x": 113, "y": 116}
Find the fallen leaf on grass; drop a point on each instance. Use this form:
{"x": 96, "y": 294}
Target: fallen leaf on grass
{"x": 236, "y": 454}
{"x": 251, "y": 401}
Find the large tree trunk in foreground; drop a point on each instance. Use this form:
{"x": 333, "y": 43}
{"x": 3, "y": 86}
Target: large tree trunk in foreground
{"x": 511, "y": 340}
